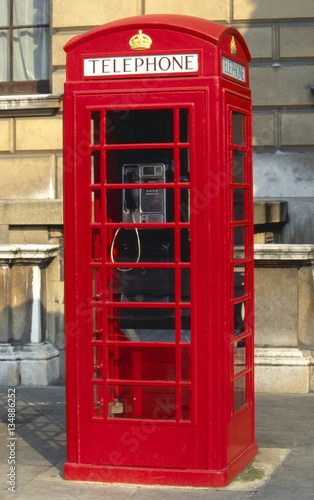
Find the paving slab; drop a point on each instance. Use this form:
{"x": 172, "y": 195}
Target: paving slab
{"x": 283, "y": 468}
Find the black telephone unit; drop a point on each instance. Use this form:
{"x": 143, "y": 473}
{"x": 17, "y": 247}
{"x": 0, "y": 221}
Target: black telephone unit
{"x": 144, "y": 205}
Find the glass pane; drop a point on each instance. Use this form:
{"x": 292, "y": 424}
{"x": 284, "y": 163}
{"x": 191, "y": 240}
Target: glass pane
{"x": 157, "y": 403}
{"x": 31, "y": 12}
{"x": 185, "y": 285}
{"x": 95, "y": 167}
{"x": 238, "y": 204}
{"x": 142, "y": 363}
{"x": 96, "y": 206}
{"x": 98, "y": 401}
{"x": 97, "y": 319}
{"x": 238, "y": 242}
{"x": 96, "y": 244}
{"x": 239, "y": 362}
{"x": 143, "y": 245}
{"x": 186, "y": 325}
{"x": 97, "y": 362}
{"x": 239, "y": 281}
{"x": 96, "y": 283}
{"x": 139, "y": 126}
{"x": 31, "y": 54}
{"x": 135, "y": 165}
{"x": 238, "y": 167}
{"x": 185, "y": 365}
{"x": 150, "y": 205}
{"x": 237, "y": 129}
{"x": 184, "y": 165}
{"x": 5, "y": 13}
{"x": 135, "y": 325}
{"x": 185, "y": 205}
{"x": 239, "y": 318}
{"x": 4, "y": 60}
{"x": 186, "y": 413}
{"x": 240, "y": 393}
{"x": 143, "y": 285}
{"x": 184, "y": 125}
{"x": 95, "y": 128}
{"x": 185, "y": 245}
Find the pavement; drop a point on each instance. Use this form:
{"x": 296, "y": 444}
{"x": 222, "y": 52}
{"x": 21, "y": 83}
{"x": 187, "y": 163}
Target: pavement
{"x": 282, "y": 470}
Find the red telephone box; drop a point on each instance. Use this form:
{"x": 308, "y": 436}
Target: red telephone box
{"x": 158, "y": 253}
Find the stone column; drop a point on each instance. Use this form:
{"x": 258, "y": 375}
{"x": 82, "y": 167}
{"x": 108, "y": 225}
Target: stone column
{"x": 284, "y": 318}
{"x": 26, "y": 357}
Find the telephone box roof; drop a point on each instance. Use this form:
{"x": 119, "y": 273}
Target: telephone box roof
{"x": 196, "y": 26}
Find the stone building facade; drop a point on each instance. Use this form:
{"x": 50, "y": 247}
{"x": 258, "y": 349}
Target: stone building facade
{"x": 280, "y": 36}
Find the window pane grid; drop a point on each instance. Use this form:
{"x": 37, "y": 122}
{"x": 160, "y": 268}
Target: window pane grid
{"x": 241, "y": 262}
{"x": 128, "y": 390}
{"x": 25, "y": 47}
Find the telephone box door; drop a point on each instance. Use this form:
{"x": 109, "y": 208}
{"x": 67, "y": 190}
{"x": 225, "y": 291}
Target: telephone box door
{"x": 140, "y": 305}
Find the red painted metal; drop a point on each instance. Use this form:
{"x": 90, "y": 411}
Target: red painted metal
{"x": 159, "y": 306}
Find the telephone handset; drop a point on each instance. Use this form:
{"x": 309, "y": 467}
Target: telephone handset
{"x": 144, "y": 205}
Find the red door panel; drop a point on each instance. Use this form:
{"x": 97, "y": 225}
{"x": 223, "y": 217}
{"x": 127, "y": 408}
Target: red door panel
{"x": 140, "y": 305}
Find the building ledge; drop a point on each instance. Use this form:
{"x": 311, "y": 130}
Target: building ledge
{"x": 280, "y": 253}
{"x": 31, "y": 212}
{"x": 29, "y": 105}
{"x": 11, "y": 254}
{"x": 270, "y": 212}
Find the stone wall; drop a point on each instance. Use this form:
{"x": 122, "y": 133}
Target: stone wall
{"x": 280, "y": 36}
{"x": 284, "y": 318}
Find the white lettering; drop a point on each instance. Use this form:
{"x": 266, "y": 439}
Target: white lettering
{"x": 137, "y": 60}
{"x": 233, "y": 69}
{"x": 167, "y": 66}
{"x": 150, "y": 64}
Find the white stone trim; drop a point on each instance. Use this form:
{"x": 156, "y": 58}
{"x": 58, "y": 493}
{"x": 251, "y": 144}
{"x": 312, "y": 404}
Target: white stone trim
{"x": 27, "y": 254}
{"x": 284, "y": 252}
{"x": 283, "y": 356}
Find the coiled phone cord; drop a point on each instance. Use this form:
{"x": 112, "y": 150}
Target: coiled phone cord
{"x": 138, "y": 246}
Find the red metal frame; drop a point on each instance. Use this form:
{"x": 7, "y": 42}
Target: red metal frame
{"x": 122, "y": 435}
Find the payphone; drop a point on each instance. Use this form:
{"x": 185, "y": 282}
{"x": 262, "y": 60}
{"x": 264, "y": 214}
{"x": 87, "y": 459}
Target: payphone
{"x": 159, "y": 253}
{"x": 144, "y": 205}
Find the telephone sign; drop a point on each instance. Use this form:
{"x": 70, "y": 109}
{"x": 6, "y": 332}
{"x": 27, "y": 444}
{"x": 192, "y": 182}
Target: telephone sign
{"x": 158, "y": 253}
{"x": 146, "y": 64}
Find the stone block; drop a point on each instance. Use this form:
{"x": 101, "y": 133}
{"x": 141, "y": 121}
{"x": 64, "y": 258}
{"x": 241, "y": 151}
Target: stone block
{"x": 215, "y": 11}
{"x": 306, "y": 306}
{"x": 28, "y": 234}
{"x": 33, "y": 134}
{"x": 5, "y": 135}
{"x": 296, "y": 41}
{"x": 9, "y": 373}
{"x": 268, "y": 9}
{"x": 282, "y": 379}
{"x": 39, "y": 372}
{"x": 58, "y": 42}
{"x": 31, "y": 212}
{"x": 297, "y": 129}
{"x": 59, "y": 193}
{"x": 39, "y": 365}
{"x": 58, "y": 79}
{"x": 259, "y": 41}
{"x": 284, "y": 175}
{"x": 264, "y": 129}
{"x": 282, "y": 85}
{"x": 21, "y": 302}
{"x": 4, "y": 303}
{"x": 276, "y": 306}
{"x": 91, "y": 12}
{"x": 27, "y": 178}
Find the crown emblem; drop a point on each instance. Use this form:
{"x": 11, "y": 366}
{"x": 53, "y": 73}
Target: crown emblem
{"x": 140, "y": 41}
{"x": 233, "y": 46}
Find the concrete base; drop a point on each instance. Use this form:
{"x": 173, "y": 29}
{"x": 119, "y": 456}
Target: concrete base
{"x": 32, "y": 364}
{"x": 284, "y": 371}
